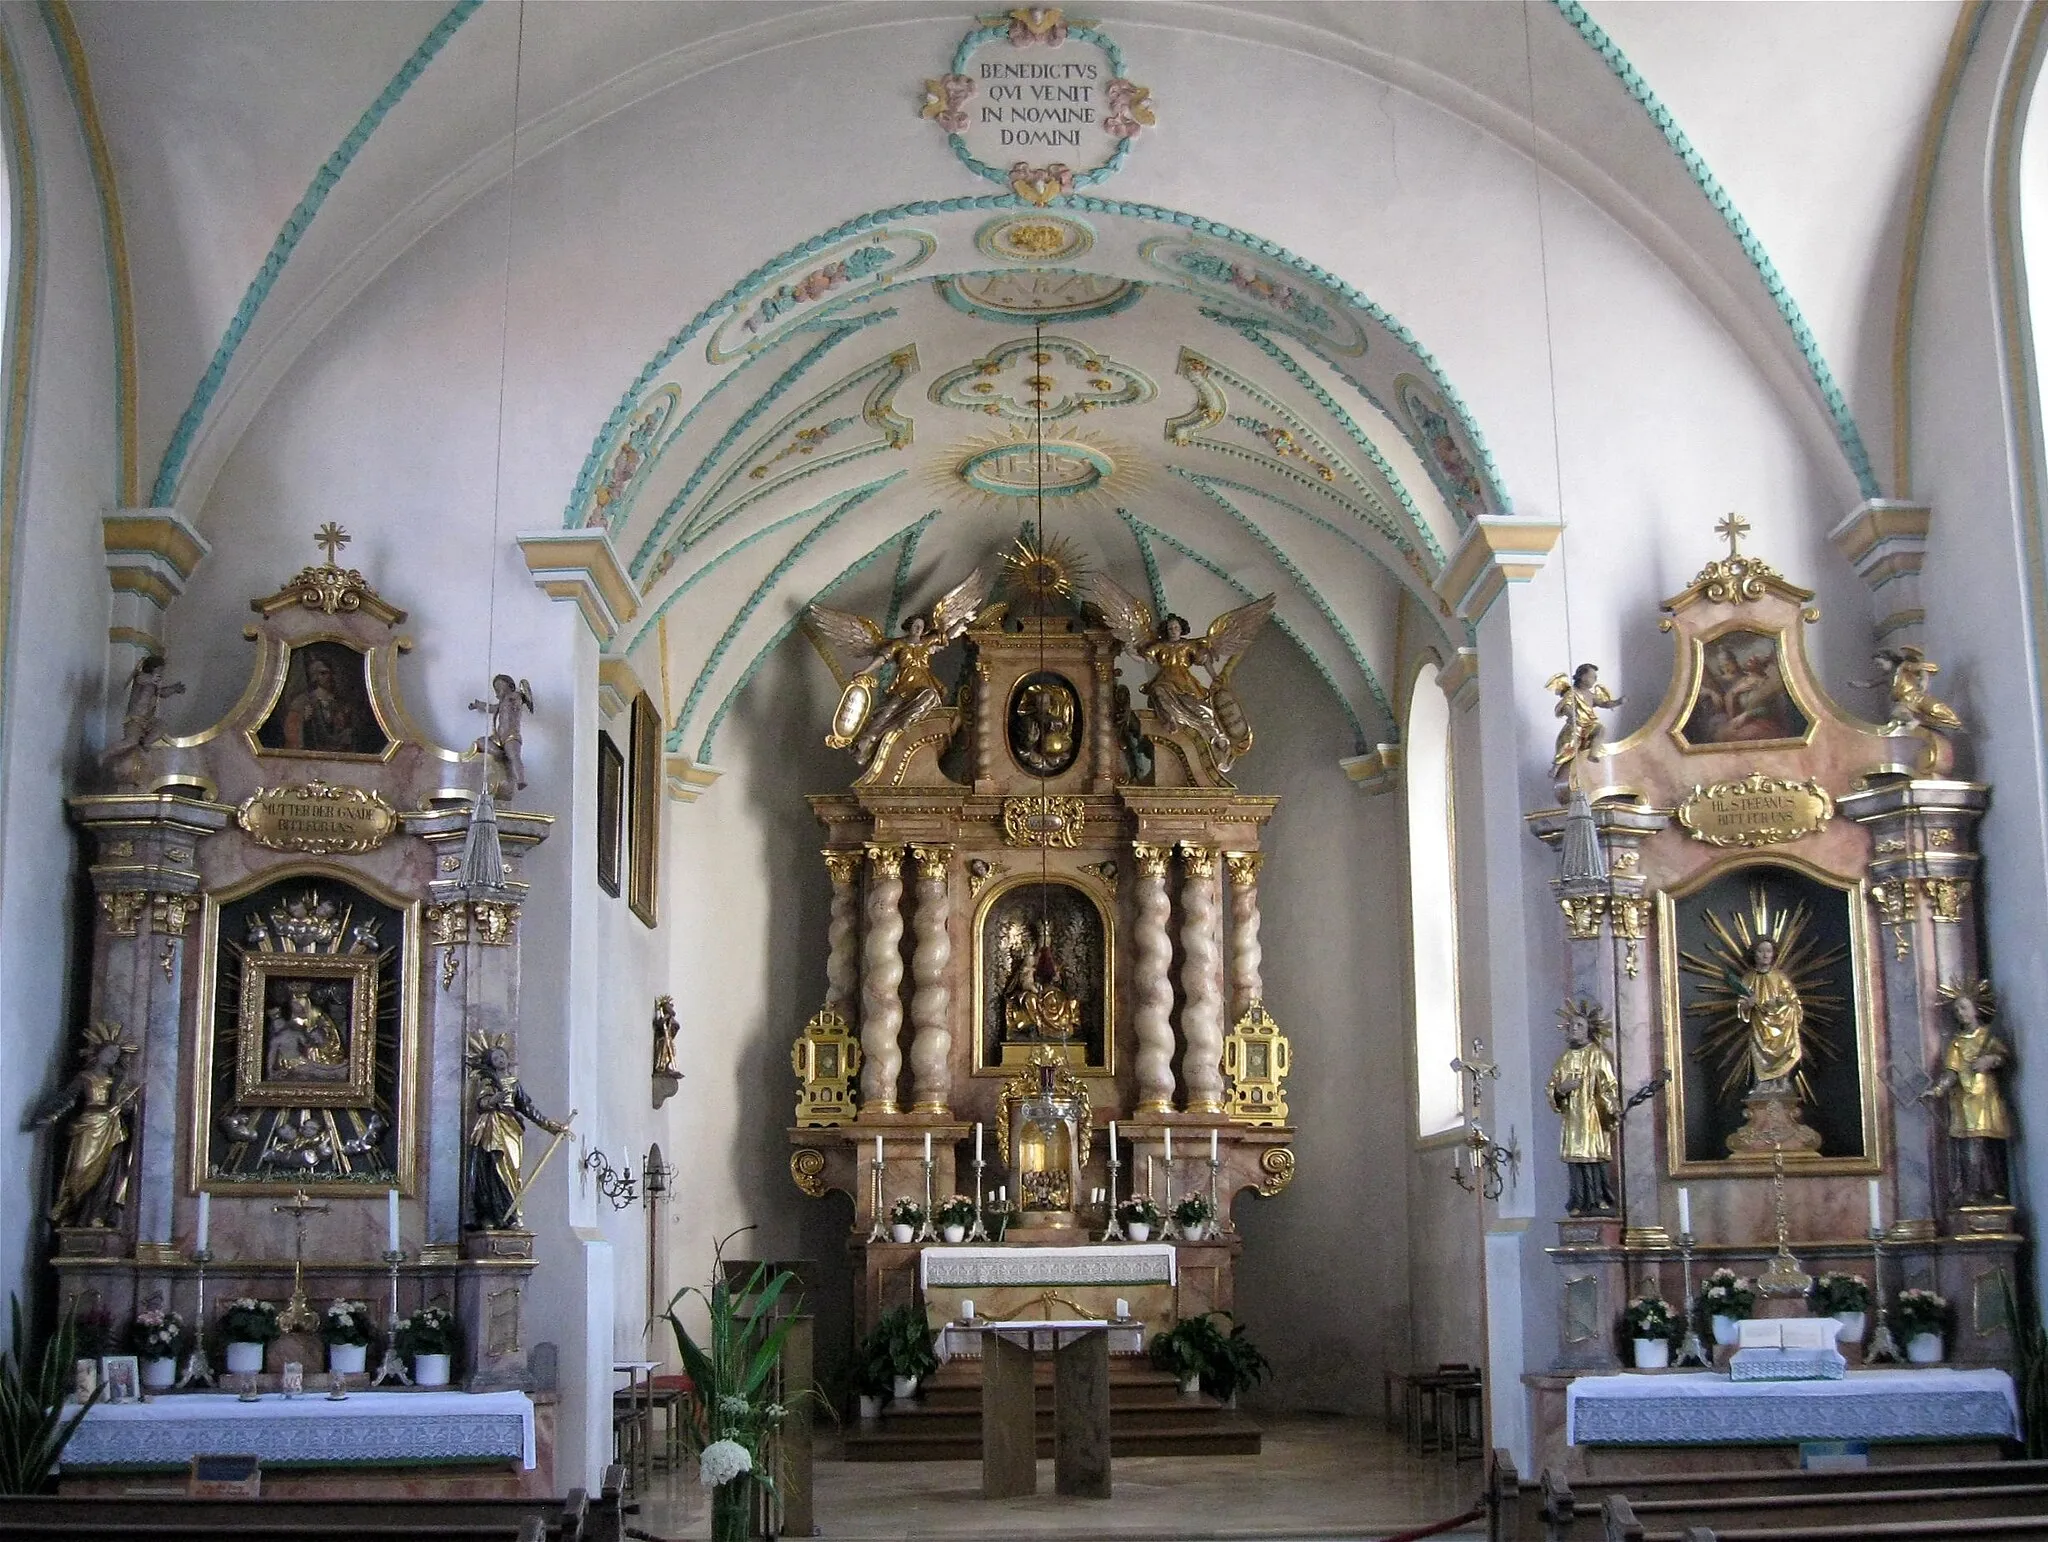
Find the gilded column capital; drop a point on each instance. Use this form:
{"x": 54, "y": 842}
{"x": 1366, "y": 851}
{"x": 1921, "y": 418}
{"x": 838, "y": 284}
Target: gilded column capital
{"x": 494, "y": 921}
{"x": 842, "y": 865}
{"x": 931, "y": 860}
{"x": 1200, "y": 861}
{"x": 1582, "y": 913}
{"x": 885, "y": 860}
{"x": 1244, "y": 866}
{"x": 169, "y": 913}
{"x": 1151, "y": 859}
{"x": 123, "y": 908}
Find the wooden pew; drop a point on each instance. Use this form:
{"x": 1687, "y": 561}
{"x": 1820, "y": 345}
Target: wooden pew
{"x": 456, "y": 1520}
{"x": 1514, "y": 1509}
{"x": 1573, "y": 1514}
{"x": 1920, "y": 1515}
{"x": 256, "y": 1527}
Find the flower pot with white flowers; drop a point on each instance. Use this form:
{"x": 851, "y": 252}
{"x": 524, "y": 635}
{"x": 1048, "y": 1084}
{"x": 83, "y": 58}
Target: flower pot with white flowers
{"x": 1140, "y": 1217}
{"x": 1651, "y": 1324}
{"x": 429, "y": 1338}
{"x": 1920, "y": 1318}
{"x": 906, "y": 1219}
{"x": 345, "y": 1327}
{"x": 1846, "y": 1298}
{"x": 1192, "y": 1216}
{"x": 1725, "y": 1300}
{"x": 156, "y": 1338}
{"x": 953, "y": 1217}
{"x": 248, "y": 1325}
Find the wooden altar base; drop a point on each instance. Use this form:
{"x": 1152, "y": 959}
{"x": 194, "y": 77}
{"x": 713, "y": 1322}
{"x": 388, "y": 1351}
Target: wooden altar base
{"x": 1147, "y": 1417}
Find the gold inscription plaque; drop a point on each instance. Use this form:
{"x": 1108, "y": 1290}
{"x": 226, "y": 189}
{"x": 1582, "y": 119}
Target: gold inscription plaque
{"x": 1758, "y": 810}
{"x": 317, "y": 818}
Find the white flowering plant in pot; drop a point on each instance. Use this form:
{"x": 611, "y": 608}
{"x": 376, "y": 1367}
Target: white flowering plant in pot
{"x": 346, "y": 1322}
{"x": 733, "y": 1410}
{"x": 157, "y": 1334}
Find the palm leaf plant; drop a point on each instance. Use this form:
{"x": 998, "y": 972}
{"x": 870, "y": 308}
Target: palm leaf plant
{"x": 34, "y": 1426}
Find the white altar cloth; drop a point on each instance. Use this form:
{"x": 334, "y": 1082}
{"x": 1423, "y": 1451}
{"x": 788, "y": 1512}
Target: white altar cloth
{"x": 1705, "y": 1408}
{"x": 965, "y": 1268}
{"x": 308, "y": 1430}
{"x": 963, "y": 1339}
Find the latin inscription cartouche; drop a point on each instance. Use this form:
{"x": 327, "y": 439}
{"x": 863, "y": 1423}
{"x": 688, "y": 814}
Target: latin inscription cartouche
{"x": 1758, "y": 810}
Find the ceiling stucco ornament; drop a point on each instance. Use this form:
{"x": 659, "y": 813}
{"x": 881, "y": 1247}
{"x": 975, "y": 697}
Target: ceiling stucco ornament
{"x": 1048, "y": 294}
{"x": 1303, "y": 307}
{"x": 761, "y": 314}
{"x": 1041, "y": 380}
{"x": 1047, "y": 108}
{"x": 1450, "y": 466}
{"x": 1034, "y": 238}
{"x": 1062, "y": 467}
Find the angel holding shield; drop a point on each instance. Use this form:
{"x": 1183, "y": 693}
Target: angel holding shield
{"x": 864, "y": 719}
{"x": 1210, "y": 710}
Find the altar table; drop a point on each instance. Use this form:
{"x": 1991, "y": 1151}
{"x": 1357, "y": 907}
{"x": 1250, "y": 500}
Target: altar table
{"x": 394, "y": 1428}
{"x": 1705, "y": 1408}
{"x": 1080, "y": 1408}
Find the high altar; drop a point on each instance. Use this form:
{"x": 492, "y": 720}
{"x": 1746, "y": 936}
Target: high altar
{"x": 298, "y": 1084}
{"x": 1050, "y": 849}
{"x": 1777, "y": 1026}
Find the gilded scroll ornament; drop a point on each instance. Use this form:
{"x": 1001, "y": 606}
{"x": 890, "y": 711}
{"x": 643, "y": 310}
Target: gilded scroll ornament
{"x": 887, "y": 861}
{"x": 169, "y": 913}
{"x": 123, "y": 909}
{"x": 931, "y": 861}
{"x": 1277, "y": 1162}
{"x": 807, "y": 1172}
{"x": 1582, "y": 913}
{"x": 1051, "y": 820}
{"x": 1946, "y": 898}
{"x": 1199, "y": 861}
{"x": 1256, "y": 1060}
{"x": 1894, "y": 901}
{"x": 1104, "y": 873}
{"x": 316, "y": 818}
{"x": 494, "y": 921}
{"x": 1151, "y": 860}
{"x": 98, "y": 1149}
{"x": 826, "y": 1057}
{"x": 1735, "y": 579}
{"x": 842, "y": 867}
{"x": 1630, "y": 914}
{"x": 1756, "y": 810}
{"x": 448, "y": 925}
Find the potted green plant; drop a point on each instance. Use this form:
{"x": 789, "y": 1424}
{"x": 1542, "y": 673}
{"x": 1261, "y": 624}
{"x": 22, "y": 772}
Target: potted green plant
{"x": 1652, "y": 1324}
{"x": 732, "y": 1415}
{"x": 1140, "y": 1217}
{"x": 1192, "y": 1216}
{"x": 909, "y": 1342}
{"x": 1846, "y": 1298}
{"x": 1187, "y": 1350}
{"x": 1920, "y": 1317}
{"x": 906, "y": 1217}
{"x": 1725, "y": 1300}
{"x": 953, "y": 1217}
{"x": 871, "y": 1373}
{"x": 34, "y": 1422}
{"x": 345, "y": 1326}
{"x": 156, "y": 1338}
{"x": 429, "y": 1338}
{"x": 248, "y": 1325}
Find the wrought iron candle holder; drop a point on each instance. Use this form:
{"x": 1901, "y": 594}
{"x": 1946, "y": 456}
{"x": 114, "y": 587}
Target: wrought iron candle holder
{"x": 1884, "y": 1348}
{"x": 1495, "y": 1167}
{"x": 392, "y": 1367}
{"x": 1691, "y": 1351}
{"x": 615, "y": 1184}
{"x": 198, "y": 1369}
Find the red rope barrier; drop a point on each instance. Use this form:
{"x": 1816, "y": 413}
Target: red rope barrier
{"x": 1439, "y": 1527}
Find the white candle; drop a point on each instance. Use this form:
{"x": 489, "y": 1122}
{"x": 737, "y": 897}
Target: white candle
{"x": 1212, "y": 1145}
{"x": 1169, "y": 1143}
{"x": 977, "y": 1140}
{"x": 1002, "y": 1193}
{"x": 967, "y": 1310}
{"x": 1684, "y": 1211}
{"x": 205, "y": 1220}
{"x": 878, "y": 1148}
{"x": 927, "y": 1145}
{"x": 1876, "y": 1211}
{"x": 391, "y": 1220}
{"x": 1123, "y": 1309}
{"x": 1112, "y": 1140}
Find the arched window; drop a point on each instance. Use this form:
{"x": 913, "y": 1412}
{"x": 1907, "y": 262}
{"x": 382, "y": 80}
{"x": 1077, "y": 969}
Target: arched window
{"x": 1432, "y": 901}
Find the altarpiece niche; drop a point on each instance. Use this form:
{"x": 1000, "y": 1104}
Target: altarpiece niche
{"x": 1042, "y": 972}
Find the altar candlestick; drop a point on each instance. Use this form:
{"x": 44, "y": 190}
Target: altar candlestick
{"x": 1685, "y": 1211}
{"x": 205, "y": 1219}
{"x": 391, "y": 1220}
{"x": 1876, "y": 1210}
{"x": 1212, "y": 1145}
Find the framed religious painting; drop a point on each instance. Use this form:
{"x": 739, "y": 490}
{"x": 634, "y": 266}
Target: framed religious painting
{"x": 323, "y": 708}
{"x": 307, "y": 1056}
{"x": 643, "y": 812}
{"x": 611, "y": 812}
{"x": 1742, "y": 696}
{"x": 1043, "y": 955}
{"x": 1769, "y": 1022}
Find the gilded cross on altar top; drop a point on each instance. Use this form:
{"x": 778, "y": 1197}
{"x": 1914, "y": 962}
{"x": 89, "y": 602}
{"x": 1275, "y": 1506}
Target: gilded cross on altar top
{"x": 1732, "y": 529}
{"x": 333, "y": 537}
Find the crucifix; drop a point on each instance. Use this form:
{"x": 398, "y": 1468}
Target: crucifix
{"x": 1732, "y": 529}
{"x": 298, "y": 1312}
{"x": 333, "y": 538}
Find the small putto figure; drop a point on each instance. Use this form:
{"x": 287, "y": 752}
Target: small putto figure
{"x": 147, "y": 690}
{"x": 1914, "y": 708}
{"x": 510, "y": 701}
{"x": 1580, "y": 701}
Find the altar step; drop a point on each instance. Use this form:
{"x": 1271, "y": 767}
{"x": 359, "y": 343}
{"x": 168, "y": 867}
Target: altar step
{"x": 1148, "y": 1416}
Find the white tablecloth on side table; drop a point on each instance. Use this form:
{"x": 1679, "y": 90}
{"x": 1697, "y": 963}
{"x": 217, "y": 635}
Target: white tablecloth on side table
{"x": 309, "y": 1430}
{"x": 1705, "y": 1408}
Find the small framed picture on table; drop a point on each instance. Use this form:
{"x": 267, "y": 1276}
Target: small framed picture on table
{"x": 121, "y": 1376}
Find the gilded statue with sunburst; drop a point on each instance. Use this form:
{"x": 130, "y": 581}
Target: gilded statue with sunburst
{"x": 1770, "y": 1015}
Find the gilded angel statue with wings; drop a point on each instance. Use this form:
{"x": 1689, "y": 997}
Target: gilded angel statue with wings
{"x": 868, "y": 712}
{"x": 1207, "y": 709}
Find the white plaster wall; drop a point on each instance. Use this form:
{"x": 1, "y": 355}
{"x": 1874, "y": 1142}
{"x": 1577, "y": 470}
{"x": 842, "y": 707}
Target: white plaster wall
{"x": 56, "y": 648}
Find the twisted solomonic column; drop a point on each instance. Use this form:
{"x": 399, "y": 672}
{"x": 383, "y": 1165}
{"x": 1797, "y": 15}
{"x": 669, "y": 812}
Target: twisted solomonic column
{"x": 1245, "y": 954}
{"x": 1201, "y": 981}
{"x": 842, "y": 932}
{"x": 1152, "y": 984}
{"x": 931, "y": 1031}
{"x": 881, "y": 982}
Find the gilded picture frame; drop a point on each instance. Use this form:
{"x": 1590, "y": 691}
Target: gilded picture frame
{"x": 643, "y": 812}
{"x": 287, "y": 1010}
{"x": 292, "y": 725}
{"x": 1103, "y": 1004}
{"x": 1863, "y": 1036}
{"x": 611, "y": 812}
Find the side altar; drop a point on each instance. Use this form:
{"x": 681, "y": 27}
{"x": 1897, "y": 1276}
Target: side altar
{"x": 299, "y": 1081}
{"x": 1780, "y": 1063}
{"x": 1051, "y": 850}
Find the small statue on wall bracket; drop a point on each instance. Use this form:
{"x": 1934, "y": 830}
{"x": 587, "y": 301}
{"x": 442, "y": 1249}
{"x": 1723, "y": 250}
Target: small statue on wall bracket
{"x": 1587, "y": 1096}
{"x": 1580, "y": 701}
{"x": 1915, "y": 711}
{"x": 667, "y": 1079}
{"x": 99, "y": 1145}
{"x": 1966, "y": 1077}
{"x": 497, "y": 1137}
{"x": 510, "y": 701}
{"x": 147, "y": 690}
